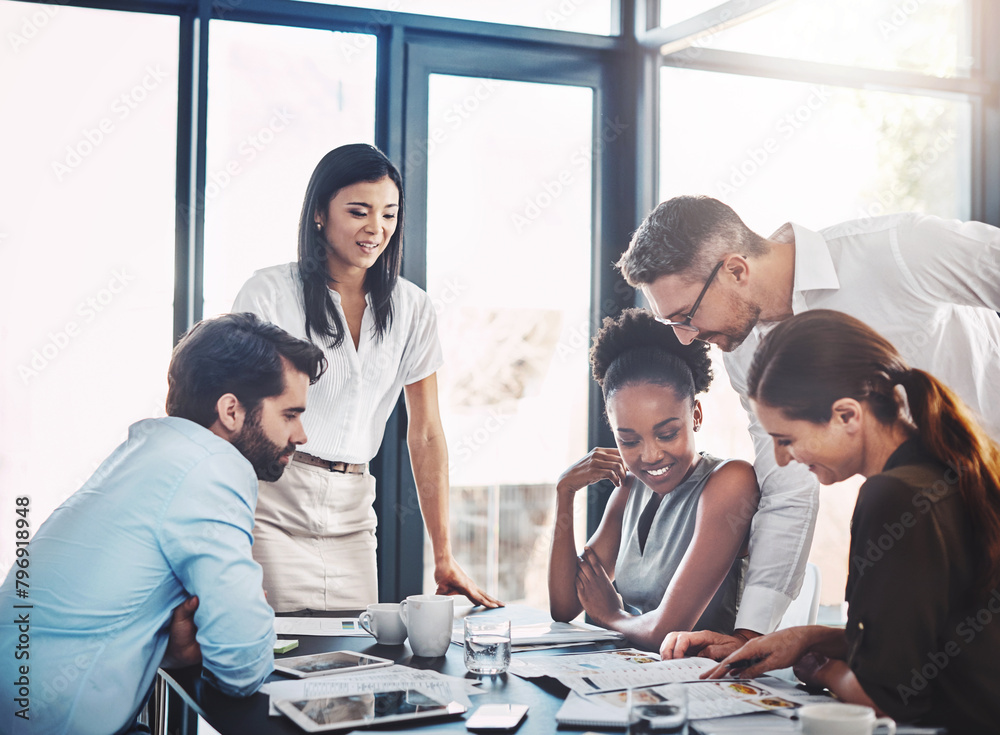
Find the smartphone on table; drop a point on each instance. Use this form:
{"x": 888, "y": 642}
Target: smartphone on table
{"x": 496, "y": 717}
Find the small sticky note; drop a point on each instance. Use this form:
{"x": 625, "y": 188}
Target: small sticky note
{"x": 281, "y": 646}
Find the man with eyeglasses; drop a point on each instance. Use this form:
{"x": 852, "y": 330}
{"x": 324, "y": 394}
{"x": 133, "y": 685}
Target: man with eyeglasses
{"x": 929, "y": 285}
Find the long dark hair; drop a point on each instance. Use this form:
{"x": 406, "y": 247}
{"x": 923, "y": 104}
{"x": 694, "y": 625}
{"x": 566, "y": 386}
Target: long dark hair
{"x": 343, "y": 166}
{"x": 811, "y": 360}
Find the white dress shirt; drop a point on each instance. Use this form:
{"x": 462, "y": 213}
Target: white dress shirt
{"x": 348, "y": 407}
{"x": 928, "y": 285}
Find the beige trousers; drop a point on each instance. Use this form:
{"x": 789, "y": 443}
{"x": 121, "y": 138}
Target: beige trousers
{"x": 314, "y": 536}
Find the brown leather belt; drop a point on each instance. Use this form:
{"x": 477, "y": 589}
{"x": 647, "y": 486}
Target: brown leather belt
{"x": 329, "y": 465}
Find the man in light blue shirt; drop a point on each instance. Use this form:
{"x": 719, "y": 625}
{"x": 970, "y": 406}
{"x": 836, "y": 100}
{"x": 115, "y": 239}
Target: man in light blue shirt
{"x": 149, "y": 563}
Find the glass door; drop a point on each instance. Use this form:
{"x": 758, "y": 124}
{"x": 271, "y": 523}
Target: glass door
{"x": 508, "y": 267}
{"x": 504, "y": 155}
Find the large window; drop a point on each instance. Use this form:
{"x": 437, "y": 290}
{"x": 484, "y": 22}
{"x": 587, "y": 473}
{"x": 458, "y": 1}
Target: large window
{"x": 508, "y": 266}
{"x": 932, "y": 37}
{"x": 536, "y": 153}
{"x": 871, "y": 117}
{"x": 279, "y": 99}
{"x": 776, "y": 150}
{"x": 86, "y": 240}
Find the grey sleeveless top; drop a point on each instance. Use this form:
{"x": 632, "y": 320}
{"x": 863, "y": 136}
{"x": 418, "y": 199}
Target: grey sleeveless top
{"x": 643, "y": 575}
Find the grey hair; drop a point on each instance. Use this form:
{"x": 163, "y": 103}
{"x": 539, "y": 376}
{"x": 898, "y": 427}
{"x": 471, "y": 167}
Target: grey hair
{"x": 686, "y": 235}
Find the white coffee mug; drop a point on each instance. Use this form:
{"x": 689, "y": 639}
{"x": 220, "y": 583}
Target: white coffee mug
{"x": 841, "y": 719}
{"x": 382, "y": 620}
{"x": 429, "y": 620}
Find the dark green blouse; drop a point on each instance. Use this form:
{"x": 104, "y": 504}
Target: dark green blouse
{"x": 922, "y": 645}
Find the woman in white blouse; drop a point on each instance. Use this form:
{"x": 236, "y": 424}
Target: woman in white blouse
{"x": 315, "y": 528}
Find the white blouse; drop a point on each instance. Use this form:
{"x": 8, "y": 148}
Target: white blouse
{"x": 347, "y": 408}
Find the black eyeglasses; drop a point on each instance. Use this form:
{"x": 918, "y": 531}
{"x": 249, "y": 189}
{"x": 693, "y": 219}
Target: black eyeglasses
{"x": 685, "y": 324}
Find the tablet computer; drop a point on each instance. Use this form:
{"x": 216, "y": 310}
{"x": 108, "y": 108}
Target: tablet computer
{"x": 333, "y": 662}
{"x": 324, "y": 714}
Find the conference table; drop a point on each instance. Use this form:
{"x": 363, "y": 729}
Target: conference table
{"x": 190, "y": 697}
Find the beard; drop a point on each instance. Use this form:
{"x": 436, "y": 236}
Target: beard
{"x": 263, "y": 454}
{"x": 745, "y": 317}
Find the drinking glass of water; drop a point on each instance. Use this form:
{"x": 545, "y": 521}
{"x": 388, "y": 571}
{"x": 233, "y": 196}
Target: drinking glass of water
{"x": 659, "y": 709}
{"x": 487, "y": 644}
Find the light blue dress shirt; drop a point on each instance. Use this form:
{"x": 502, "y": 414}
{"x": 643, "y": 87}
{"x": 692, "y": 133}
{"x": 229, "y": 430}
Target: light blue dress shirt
{"x": 168, "y": 515}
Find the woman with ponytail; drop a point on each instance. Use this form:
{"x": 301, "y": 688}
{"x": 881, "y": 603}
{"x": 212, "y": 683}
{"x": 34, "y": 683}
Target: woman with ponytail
{"x": 922, "y": 639}
{"x": 314, "y": 532}
{"x": 672, "y": 541}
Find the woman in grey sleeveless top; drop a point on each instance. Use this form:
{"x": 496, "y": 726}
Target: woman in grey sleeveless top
{"x": 670, "y": 551}
{"x": 644, "y": 570}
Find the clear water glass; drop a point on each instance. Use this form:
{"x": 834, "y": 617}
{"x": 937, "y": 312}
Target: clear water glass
{"x": 487, "y": 645}
{"x": 658, "y": 709}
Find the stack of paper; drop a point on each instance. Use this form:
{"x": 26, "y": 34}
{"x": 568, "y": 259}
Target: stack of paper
{"x": 293, "y": 626}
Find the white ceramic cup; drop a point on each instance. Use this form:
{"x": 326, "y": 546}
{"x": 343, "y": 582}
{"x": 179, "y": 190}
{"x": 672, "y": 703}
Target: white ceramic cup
{"x": 841, "y": 719}
{"x": 428, "y": 620}
{"x": 382, "y": 620}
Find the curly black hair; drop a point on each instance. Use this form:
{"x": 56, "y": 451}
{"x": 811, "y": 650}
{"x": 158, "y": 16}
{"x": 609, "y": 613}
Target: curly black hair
{"x": 635, "y": 348}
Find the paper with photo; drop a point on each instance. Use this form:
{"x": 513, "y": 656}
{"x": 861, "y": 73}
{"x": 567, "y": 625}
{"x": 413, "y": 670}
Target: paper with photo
{"x": 591, "y": 672}
{"x": 706, "y": 699}
{"x": 532, "y": 667}
{"x": 652, "y": 673}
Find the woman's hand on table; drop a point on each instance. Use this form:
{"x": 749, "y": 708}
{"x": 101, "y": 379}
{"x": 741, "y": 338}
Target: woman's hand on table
{"x": 600, "y": 463}
{"x": 594, "y": 589}
{"x": 765, "y": 653}
{"x": 451, "y": 579}
{"x": 705, "y": 643}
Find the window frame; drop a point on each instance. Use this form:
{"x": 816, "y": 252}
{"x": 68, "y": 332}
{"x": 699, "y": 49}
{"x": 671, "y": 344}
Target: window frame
{"x": 981, "y": 89}
{"x": 625, "y": 69}
{"x": 529, "y": 54}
